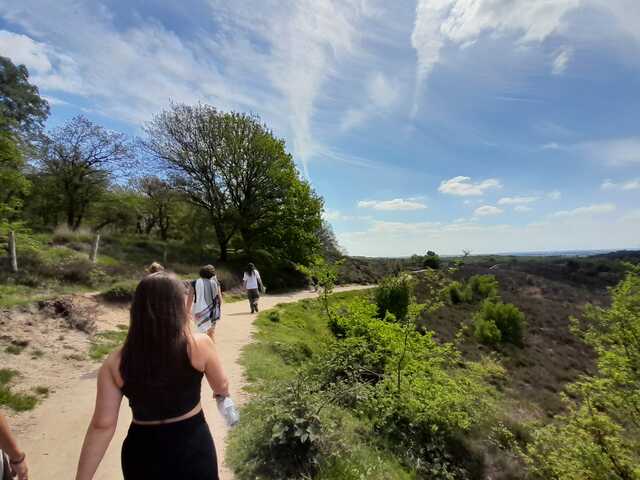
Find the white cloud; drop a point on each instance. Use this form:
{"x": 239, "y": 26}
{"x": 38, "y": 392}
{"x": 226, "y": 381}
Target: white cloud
{"x": 459, "y": 23}
{"x": 554, "y": 195}
{"x": 24, "y": 50}
{"x": 487, "y": 210}
{"x": 626, "y": 185}
{"x": 463, "y": 187}
{"x": 522, "y": 209}
{"x": 551, "y": 146}
{"x": 517, "y": 200}
{"x": 597, "y": 209}
{"x": 391, "y": 205}
{"x": 561, "y": 60}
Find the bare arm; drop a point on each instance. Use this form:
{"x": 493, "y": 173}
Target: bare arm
{"x": 10, "y": 446}
{"x": 213, "y": 368}
{"x": 103, "y": 424}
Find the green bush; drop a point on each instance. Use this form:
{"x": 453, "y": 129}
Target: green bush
{"x": 458, "y": 293}
{"x": 432, "y": 260}
{"x": 500, "y": 318}
{"x": 393, "y": 295}
{"x": 274, "y": 316}
{"x": 120, "y": 292}
{"x": 483, "y": 287}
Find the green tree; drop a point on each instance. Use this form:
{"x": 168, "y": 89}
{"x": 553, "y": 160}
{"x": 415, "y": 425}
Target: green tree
{"x": 22, "y": 109}
{"x": 79, "y": 158}
{"x": 14, "y": 186}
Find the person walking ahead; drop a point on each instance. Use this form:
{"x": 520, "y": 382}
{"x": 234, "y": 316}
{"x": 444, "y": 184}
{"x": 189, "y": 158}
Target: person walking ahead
{"x": 159, "y": 369}
{"x": 207, "y": 301}
{"x": 253, "y": 284}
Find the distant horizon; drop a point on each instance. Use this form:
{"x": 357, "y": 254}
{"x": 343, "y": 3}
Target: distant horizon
{"x": 548, "y": 253}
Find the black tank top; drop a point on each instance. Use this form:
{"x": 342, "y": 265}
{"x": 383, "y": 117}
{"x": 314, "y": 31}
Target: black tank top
{"x": 175, "y": 397}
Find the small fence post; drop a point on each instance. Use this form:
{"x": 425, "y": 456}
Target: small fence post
{"x": 12, "y": 251}
{"x": 94, "y": 250}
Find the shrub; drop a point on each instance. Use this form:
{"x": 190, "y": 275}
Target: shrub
{"x": 487, "y": 332}
{"x": 281, "y": 435}
{"x": 393, "y": 295}
{"x": 503, "y": 318}
{"x": 274, "y": 316}
{"x": 120, "y": 292}
{"x": 432, "y": 260}
{"x": 483, "y": 286}
{"x": 458, "y": 293}
{"x": 63, "y": 234}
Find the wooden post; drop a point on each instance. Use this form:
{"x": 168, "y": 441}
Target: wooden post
{"x": 94, "y": 250}
{"x": 12, "y": 251}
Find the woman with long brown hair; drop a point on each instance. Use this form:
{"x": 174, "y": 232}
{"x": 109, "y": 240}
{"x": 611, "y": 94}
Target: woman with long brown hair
{"x": 159, "y": 369}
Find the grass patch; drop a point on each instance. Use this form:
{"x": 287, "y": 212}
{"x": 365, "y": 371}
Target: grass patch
{"x": 105, "y": 342}
{"x": 234, "y": 297}
{"x": 16, "y": 401}
{"x": 121, "y": 291}
{"x": 37, "y": 354}
{"x": 14, "y": 349}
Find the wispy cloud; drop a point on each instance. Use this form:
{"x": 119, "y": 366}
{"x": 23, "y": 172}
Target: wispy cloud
{"x": 487, "y": 210}
{"x": 625, "y": 185}
{"x": 464, "y": 187}
{"x": 554, "y": 195}
{"x": 597, "y": 209}
{"x": 391, "y": 205}
{"x": 382, "y": 94}
{"x": 561, "y": 60}
{"x": 517, "y": 200}
{"x": 522, "y": 209}
{"x": 615, "y": 152}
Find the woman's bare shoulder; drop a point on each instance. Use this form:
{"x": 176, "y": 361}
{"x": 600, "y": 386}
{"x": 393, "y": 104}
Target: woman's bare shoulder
{"x": 112, "y": 365}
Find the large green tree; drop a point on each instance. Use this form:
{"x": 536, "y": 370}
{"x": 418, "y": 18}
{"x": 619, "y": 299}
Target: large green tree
{"x": 231, "y": 165}
{"x": 79, "y": 158}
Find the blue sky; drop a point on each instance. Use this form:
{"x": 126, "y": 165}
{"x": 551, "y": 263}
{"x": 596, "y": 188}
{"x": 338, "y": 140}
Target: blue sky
{"x": 489, "y": 125}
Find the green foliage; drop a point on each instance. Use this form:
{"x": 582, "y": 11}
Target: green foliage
{"x": 14, "y": 349}
{"x": 16, "y": 401}
{"x": 499, "y": 322}
{"x": 393, "y": 295}
{"x": 432, "y": 260}
{"x": 599, "y": 437}
{"x": 458, "y": 293}
{"x": 22, "y": 109}
{"x": 340, "y": 393}
{"x": 324, "y": 275}
{"x": 121, "y": 291}
{"x": 483, "y": 287}
{"x": 13, "y": 184}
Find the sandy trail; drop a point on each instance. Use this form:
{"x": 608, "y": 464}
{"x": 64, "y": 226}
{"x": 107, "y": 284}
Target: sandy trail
{"x": 56, "y": 428}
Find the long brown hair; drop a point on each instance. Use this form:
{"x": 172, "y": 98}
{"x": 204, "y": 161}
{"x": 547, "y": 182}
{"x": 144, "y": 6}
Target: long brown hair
{"x": 156, "y": 344}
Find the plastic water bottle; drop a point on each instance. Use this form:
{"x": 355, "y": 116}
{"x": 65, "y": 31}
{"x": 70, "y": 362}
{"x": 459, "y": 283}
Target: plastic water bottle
{"x": 227, "y": 409}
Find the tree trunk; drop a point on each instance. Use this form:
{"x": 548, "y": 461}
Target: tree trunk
{"x": 223, "y": 240}
{"x": 12, "y": 251}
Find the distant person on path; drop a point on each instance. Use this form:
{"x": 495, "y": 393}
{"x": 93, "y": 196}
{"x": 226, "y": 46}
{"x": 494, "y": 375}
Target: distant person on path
{"x": 207, "y": 300}
{"x": 159, "y": 369}
{"x": 253, "y": 285}
{"x": 13, "y": 461}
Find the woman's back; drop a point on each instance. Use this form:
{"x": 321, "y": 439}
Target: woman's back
{"x": 172, "y": 395}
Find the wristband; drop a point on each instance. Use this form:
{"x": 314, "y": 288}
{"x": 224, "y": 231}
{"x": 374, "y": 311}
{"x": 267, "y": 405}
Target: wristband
{"x": 18, "y": 462}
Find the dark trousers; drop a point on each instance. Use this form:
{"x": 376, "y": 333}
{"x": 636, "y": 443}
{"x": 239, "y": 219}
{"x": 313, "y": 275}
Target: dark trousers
{"x": 180, "y": 450}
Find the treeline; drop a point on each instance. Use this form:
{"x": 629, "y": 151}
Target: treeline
{"x": 219, "y": 181}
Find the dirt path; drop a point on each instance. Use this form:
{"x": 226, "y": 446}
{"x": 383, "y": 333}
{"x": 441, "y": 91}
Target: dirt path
{"x": 55, "y": 430}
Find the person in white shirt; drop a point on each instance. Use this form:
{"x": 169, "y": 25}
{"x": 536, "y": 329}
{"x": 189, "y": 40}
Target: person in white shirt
{"x": 253, "y": 285}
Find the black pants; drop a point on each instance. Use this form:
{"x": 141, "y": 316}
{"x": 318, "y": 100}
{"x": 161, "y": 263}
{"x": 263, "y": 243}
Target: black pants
{"x": 180, "y": 450}
{"x": 253, "y": 294}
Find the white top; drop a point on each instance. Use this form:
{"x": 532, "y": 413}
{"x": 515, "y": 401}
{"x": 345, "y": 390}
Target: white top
{"x": 251, "y": 281}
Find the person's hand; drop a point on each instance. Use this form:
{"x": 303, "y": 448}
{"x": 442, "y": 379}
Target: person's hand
{"x": 21, "y": 471}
